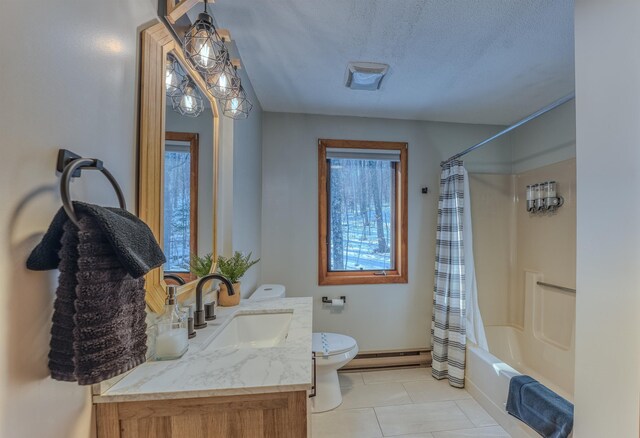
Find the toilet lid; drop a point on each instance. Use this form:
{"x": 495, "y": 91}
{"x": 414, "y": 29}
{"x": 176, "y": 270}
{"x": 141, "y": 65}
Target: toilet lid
{"x": 329, "y": 344}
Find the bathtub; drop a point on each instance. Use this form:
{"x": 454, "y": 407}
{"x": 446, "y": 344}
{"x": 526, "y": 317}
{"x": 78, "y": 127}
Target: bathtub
{"x": 542, "y": 349}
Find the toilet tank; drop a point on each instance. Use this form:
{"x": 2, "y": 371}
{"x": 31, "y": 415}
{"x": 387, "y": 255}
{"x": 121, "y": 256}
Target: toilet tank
{"x": 268, "y": 292}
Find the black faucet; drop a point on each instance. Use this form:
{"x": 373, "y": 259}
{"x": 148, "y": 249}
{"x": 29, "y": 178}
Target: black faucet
{"x": 198, "y": 315}
{"x": 175, "y": 278}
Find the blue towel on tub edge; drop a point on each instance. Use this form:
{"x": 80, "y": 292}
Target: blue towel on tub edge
{"x": 539, "y": 407}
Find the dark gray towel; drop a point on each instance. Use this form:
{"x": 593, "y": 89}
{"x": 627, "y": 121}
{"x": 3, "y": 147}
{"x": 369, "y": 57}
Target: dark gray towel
{"x": 99, "y": 328}
{"x": 131, "y": 239}
{"x": 540, "y": 408}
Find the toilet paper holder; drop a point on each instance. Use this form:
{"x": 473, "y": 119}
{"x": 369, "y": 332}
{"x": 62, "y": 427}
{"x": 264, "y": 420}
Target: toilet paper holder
{"x": 326, "y": 300}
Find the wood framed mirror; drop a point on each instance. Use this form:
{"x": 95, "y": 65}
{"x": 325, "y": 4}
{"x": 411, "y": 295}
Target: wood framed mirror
{"x": 178, "y": 202}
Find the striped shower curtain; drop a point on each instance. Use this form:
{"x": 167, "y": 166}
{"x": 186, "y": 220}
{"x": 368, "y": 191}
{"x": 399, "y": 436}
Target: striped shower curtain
{"x": 448, "y": 336}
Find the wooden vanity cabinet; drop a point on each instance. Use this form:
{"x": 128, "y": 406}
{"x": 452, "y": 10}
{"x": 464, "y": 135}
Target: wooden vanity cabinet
{"x": 273, "y": 415}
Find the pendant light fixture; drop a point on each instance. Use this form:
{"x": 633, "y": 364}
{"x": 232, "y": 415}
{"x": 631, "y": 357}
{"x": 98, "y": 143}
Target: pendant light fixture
{"x": 238, "y": 106}
{"x": 173, "y": 76}
{"x": 206, "y": 52}
{"x": 202, "y": 44}
{"x": 189, "y": 102}
{"x": 223, "y": 81}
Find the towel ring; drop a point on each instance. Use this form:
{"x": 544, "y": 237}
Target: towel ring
{"x": 68, "y": 173}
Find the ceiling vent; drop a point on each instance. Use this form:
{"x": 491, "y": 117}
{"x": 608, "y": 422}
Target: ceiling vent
{"x": 365, "y": 75}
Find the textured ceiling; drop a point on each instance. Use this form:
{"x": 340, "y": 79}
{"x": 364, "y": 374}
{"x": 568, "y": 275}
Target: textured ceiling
{"x": 472, "y": 61}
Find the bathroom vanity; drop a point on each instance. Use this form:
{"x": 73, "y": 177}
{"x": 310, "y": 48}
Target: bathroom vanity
{"x": 248, "y": 374}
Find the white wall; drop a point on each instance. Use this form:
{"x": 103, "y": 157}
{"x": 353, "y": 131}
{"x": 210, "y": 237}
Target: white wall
{"x": 68, "y": 82}
{"x": 247, "y": 188}
{"x": 240, "y": 195}
{"x": 549, "y": 139}
{"x": 380, "y": 316}
{"x": 608, "y": 240}
{"x": 505, "y": 242}
{"x": 494, "y": 243}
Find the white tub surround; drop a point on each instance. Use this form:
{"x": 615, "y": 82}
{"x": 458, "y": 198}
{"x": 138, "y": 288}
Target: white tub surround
{"x": 544, "y": 350}
{"x": 211, "y": 368}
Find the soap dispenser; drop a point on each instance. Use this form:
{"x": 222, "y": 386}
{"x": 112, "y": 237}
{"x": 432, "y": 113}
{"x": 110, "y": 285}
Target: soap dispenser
{"x": 172, "y": 335}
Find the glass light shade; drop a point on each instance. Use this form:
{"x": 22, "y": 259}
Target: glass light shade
{"x": 202, "y": 45}
{"x": 223, "y": 81}
{"x": 190, "y": 102}
{"x": 238, "y": 106}
{"x": 173, "y": 76}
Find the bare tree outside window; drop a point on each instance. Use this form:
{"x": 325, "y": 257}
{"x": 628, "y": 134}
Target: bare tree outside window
{"x": 177, "y": 210}
{"x": 360, "y": 215}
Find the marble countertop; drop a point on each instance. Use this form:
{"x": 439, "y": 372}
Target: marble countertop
{"x": 203, "y": 372}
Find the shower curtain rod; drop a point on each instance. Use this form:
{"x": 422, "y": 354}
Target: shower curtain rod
{"x": 527, "y": 119}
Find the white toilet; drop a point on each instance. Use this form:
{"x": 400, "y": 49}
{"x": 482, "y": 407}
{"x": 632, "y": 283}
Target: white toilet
{"x": 332, "y": 352}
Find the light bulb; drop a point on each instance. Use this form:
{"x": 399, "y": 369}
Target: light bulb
{"x": 172, "y": 79}
{"x": 223, "y": 81}
{"x": 237, "y": 106}
{"x": 234, "y": 105}
{"x": 187, "y": 103}
{"x": 223, "y": 84}
{"x": 203, "y": 50}
{"x": 202, "y": 44}
{"x": 169, "y": 79}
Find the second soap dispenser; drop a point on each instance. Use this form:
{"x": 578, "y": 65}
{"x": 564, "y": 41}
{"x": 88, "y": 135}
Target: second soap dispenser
{"x": 172, "y": 335}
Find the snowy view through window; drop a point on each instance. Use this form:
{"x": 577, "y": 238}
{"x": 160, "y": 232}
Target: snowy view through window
{"x": 177, "y": 209}
{"x": 361, "y": 215}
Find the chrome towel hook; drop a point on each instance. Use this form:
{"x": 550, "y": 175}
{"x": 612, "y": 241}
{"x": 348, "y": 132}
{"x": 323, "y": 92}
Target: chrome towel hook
{"x": 71, "y": 165}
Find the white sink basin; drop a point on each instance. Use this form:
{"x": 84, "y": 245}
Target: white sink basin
{"x": 259, "y": 330}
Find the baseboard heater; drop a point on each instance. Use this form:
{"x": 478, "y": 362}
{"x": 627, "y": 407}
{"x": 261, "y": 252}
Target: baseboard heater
{"x": 367, "y": 360}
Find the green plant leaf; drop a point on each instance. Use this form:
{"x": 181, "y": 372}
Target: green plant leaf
{"x": 201, "y": 266}
{"x": 236, "y": 266}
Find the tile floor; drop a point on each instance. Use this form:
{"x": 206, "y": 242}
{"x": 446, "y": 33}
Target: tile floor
{"x": 405, "y": 403}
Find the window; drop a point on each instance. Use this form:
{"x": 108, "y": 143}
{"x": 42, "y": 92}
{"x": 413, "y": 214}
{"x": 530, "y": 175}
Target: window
{"x": 180, "y": 201}
{"x": 362, "y": 212}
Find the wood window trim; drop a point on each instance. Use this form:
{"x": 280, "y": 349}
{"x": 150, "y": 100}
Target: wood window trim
{"x": 193, "y": 139}
{"x": 398, "y": 275}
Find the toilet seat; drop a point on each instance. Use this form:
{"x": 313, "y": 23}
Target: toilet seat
{"x": 332, "y": 344}
{"x": 331, "y": 352}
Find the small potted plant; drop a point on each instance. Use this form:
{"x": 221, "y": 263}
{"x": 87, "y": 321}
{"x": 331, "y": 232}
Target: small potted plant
{"x": 234, "y": 269}
{"x": 200, "y": 266}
